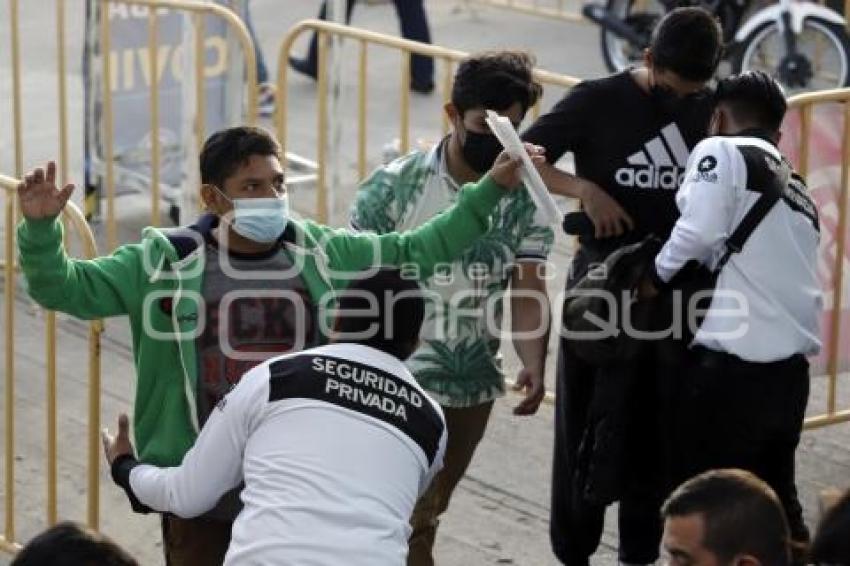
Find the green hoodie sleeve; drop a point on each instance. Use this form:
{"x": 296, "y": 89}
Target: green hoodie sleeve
{"x": 440, "y": 240}
{"x": 87, "y": 289}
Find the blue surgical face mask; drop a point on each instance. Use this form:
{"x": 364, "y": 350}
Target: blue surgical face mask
{"x": 261, "y": 220}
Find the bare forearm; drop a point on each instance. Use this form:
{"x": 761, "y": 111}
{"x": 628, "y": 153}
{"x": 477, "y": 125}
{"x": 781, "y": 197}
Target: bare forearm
{"x": 560, "y": 182}
{"x": 530, "y": 324}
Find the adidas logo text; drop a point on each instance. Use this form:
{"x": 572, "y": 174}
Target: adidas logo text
{"x": 660, "y": 165}
{"x": 668, "y": 178}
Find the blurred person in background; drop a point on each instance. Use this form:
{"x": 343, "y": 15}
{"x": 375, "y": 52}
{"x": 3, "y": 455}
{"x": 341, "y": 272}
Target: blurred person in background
{"x": 414, "y": 26}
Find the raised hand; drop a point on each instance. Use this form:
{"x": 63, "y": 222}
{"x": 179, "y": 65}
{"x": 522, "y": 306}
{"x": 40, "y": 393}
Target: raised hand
{"x": 506, "y": 169}
{"x": 38, "y": 195}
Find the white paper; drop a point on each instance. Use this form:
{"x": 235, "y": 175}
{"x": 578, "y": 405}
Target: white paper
{"x": 547, "y": 210}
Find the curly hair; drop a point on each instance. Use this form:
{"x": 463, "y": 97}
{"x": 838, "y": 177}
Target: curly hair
{"x": 496, "y": 80}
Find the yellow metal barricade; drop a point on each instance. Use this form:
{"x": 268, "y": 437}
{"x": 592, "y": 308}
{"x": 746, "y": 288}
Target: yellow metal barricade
{"x": 73, "y": 219}
{"x": 199, "y": 10}
{"x": 364, "y": 39}
{"x": 805, "y": 105}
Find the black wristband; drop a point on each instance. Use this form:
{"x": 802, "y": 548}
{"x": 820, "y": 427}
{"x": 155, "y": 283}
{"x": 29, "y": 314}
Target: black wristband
{"x": 121, "y": 468}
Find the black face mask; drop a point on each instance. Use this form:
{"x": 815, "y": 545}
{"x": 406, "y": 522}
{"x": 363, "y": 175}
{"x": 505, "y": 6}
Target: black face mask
{"x": 666, "y": 100}
{"x": 480, "y": 150}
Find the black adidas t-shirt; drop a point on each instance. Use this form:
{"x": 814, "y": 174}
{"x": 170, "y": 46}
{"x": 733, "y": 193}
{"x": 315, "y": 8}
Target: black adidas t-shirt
{"x": 627, "y": 144}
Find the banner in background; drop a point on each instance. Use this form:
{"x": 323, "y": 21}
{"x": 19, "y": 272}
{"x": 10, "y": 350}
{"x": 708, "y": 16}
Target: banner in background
{"x": 131, "y": 75}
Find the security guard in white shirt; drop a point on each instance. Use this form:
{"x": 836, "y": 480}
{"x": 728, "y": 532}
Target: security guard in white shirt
{"x": 747, "y": 218}
{"x": 334, "y": 444}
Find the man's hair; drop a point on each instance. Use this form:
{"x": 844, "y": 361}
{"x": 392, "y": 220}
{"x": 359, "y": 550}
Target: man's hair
{"x": 227, "y": 150}
{"x": 495, "y": 80}
{"x": 71, "y": 544}
{"x": 688, "y": 42}
{"x": 831, "y": 544}
{"x": 385, "y": 310}
{"x": 753, "y": 98}
{"x": 740, "y": 513}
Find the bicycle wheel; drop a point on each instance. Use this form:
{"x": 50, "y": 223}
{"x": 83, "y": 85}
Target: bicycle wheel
{"x": 822, "y": 60}
{"x": 641, "y": 16}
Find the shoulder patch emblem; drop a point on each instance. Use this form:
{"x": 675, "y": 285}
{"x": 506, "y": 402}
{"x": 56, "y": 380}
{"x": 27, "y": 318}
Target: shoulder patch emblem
{"x": 707, "y": 163}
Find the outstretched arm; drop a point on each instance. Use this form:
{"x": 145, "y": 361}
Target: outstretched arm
{"x": 209, "y": 470}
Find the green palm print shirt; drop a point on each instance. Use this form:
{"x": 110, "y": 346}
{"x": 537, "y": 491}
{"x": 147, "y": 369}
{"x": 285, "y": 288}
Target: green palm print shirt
{"x": 458, "y": 361}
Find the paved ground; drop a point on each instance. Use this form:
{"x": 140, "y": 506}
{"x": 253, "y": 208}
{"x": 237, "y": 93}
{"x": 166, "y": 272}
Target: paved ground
{"x": 500, "y": 512}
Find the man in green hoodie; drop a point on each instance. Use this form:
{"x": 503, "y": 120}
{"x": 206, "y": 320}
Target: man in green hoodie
{"x": 207, "y": 302}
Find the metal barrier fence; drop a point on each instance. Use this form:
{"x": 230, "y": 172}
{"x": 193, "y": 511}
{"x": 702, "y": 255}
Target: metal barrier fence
{"x": 804, "y": 106}
{"x": 198, "y": 9}
{"x": 364, "y": 40}
{"x": 72, "y": 218}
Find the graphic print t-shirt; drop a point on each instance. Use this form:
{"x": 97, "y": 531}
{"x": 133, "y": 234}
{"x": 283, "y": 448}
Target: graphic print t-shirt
{"x": 627, "y": 144}
{"x": 257, "y": 307}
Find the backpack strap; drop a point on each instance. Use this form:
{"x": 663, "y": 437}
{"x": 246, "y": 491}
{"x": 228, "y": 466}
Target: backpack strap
{"x": 771, "y": 193}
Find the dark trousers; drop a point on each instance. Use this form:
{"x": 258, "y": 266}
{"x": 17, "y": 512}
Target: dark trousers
{"x": 737, "y": 414}
{"x": 576, "y": 521}
{"x": 576, "y": 524}
{"x": 414, "y": 26}
{"x": 194, "y": 542}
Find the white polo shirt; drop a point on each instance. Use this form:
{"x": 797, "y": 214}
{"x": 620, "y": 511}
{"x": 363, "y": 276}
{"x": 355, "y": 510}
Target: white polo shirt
{"x": 335, "y": 445}
{"x": 767, "y": 301}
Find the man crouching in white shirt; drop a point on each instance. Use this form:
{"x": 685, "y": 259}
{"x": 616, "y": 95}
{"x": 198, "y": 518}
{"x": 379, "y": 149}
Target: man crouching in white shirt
{"x": 334, "y": 444}
{"x": 748, "y": 219}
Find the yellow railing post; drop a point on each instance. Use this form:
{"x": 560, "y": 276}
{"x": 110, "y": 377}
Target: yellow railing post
{"x": 108, "y": 145}
{"x": 361, "y": 108}
{"x": 153, "y": 62}
{"x": 322, "y": 125}
{"x": 404, "y": 122}
{"x": 9, "y": 405}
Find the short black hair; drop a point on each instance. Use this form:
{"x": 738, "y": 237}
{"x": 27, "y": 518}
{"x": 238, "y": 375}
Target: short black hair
{"x": 754, "y": 98}
{"x": 495, "y": 80}
{"x": 741, "y": 515}
{"x": 383, "y": 310}
{"x": 226, "y": 150}
{"x": 831, "y": 544}
{"x": 71, "y": 544}
{"x": 688, "y": 42}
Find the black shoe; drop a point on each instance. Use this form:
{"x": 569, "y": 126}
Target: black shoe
{"x": 303, "y": 67}
{"x": 422, "y": 87}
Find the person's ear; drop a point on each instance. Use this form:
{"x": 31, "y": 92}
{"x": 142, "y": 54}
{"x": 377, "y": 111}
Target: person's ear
{"x": 453, "y": 114}
{"x": 211, "y": 199}
{"x": 647, "y": 58}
